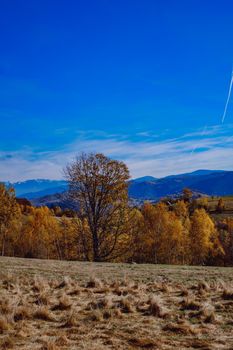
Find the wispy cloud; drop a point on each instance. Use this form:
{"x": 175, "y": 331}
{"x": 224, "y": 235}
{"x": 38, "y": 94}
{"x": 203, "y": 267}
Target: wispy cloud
{"x": 213, "y": 150}
{"x": 209, "y": 130}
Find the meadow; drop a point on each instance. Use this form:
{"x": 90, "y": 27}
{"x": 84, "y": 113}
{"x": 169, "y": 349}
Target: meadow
{"x": 50, "y": 305}
{"x": 228, "y": 207}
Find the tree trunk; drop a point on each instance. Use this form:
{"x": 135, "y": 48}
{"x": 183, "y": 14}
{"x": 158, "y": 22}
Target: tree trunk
{"x": 96, "y": 256}
{"x": 3, "y": 244}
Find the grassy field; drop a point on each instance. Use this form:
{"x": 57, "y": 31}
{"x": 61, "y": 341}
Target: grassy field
{"x": 228, "y": 211}
{"x": 51, "y": 305}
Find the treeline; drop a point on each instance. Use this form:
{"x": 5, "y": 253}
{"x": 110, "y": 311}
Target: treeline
{"x": 106, "y": 228}
{"x": 175, "y": 233}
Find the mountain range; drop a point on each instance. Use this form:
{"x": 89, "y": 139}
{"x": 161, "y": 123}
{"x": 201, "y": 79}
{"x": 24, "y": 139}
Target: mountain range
{"x": 208, "y": 182}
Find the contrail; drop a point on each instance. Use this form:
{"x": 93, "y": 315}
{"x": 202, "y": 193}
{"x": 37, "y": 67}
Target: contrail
{"x": 228, "y": 98}
{"x": 224, "y": 114}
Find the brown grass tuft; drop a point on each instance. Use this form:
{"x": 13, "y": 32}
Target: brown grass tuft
{"x": 155, "y": 307}
{"x": 39, "y": 284}
{"x": 42, "y": 298}
{"x": 95, "y": 315}
{"x": 189, "y": 304}
{"x": 42, "y": 313}
{"x": 5, "y": 306}
{"x": 65, "y": 283}
{"x": 203, "y": 285}
{"x": 143, "y": 343}
{"x": 227, "y": 294}
{"x": 62, "y": 340}
{"x": 184, "y": 292}
{"x": 94, "y": 283}
{"x": 117, "y": 313}
{"x": 117, "y": 289}
{"x": 4, "y": 324}
{"x": 22, "y": 313}
{"x": 74, "y": 291}
{"x": 6, "y": 343}
{"x": 211, "y": 318}
{"x": 125, "y": 305}
{"x": 165, "y": 288}
{"x": 124, "y": 282}
{"x": 180, "y": 328}
{"x": 107, "y": 314}
{"x": 104, "y": 303}
{"x": 65, "y": 303}
{"x": 8, "y": 281}
{"x": 207, "y": 313}
{"x": 201, "y": 344}
{"x": 50, "y": 345}
{"x": 70, "y": 321}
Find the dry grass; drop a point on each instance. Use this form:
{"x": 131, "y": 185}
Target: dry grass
{"x": 22, "y": 313}
{"x": 126, "y": 305}
{"x": 43, "y": 313}
{"x": 181, "y": 328}
{"x": 144, "y": 343}
{"x": 116, "y": 307}
{"x": 190, "y": 303}
{"x": 66, "y": 282}
{"x": 50, "y": 345}
{"x": 6, "y": 343}
{"x": 64, "y": 303}
{"x": 70, "y": 321}
{"x": 4, "y": 325}
{"x": 228, "y": 294}
{"x": 156, "y": 308}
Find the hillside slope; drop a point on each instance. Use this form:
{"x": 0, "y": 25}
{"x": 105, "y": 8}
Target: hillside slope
{"x": 213, "y": 183}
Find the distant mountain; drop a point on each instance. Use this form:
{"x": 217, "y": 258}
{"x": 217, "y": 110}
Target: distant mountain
{"x": 204, "y": 181}
{"x": 37, "y": 188}
{"x": 144, "y": 179}
{"x": 209, "y": 182}
{"x": 45, "y": 192}
{"x": 204, "y": 172}
{"x": 56, "y": 199}
{"x": 198, "y": 173}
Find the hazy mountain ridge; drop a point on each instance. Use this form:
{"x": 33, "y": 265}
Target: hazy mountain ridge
{"x": 213, "y": 183}
{"x": 216, "y": 182}
{"x": 38, "y": 187}
{"x": 45, "y": 192}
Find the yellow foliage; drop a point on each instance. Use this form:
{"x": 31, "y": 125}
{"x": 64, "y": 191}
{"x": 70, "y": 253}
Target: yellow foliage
{"x": 203, "y": 236}
{"x": 9, "y": 214}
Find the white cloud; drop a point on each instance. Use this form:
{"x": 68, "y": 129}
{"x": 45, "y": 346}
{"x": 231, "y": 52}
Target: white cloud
{"x": 212, "y": 150}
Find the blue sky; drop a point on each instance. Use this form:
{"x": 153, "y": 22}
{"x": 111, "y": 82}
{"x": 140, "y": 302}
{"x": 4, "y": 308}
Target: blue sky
{"x": 143, "y": 81}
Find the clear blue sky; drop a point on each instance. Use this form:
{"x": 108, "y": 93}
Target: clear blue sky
{"x": 144, "y": 81}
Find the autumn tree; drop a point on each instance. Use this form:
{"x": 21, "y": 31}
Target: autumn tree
{"x": 99, "y": 186}
{"x": 181, "y": 210}
{"x": 220, "y": 207}
{"x": 172, "y": 239}
{"x": 225, "y": 230}
{"x": 187, "y": 194}
{"x": 139, "y": 246}
{"x": 68, "y": 242}
{"x": 204, "y": 238}
{"x": 39, "y": 234}
{"x": 162, "y": 235}
{"x": 9, "y": 213}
